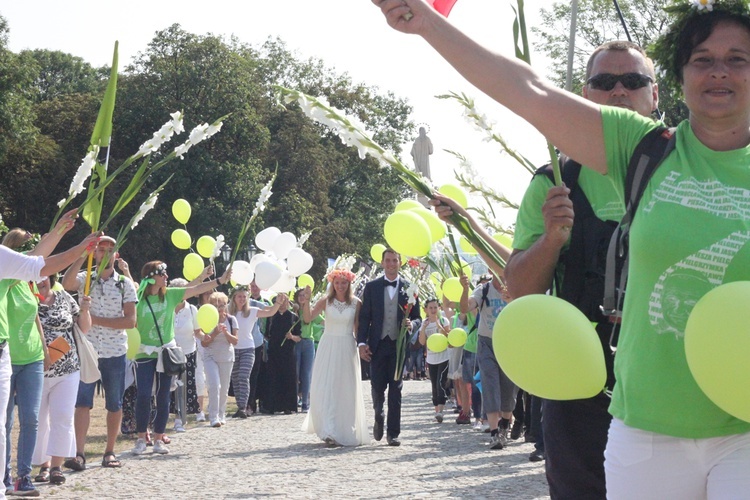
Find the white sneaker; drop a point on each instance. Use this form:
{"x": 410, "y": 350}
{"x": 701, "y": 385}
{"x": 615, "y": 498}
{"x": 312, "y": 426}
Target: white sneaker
{"x": 485, "y": 427}
{"x": 216, "y": 423}
{"x": 140, "y": 447}
{"x": 439, "y": 417}
{"x": 499, "y": 441}
{"x": 201, "y": 417}
{"x": 160, "y": 447}
{"x": 477, "y": 426}
{"x": 178, "y": 427}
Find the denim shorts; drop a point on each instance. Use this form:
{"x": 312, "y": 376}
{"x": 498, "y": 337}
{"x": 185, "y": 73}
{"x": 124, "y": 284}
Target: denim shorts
{"x": 113, "y": 383}
{"x": 469, "y": 366}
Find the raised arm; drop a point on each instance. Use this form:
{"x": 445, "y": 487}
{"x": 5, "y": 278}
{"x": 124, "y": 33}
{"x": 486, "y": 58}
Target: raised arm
{"x": 196, "y": 290}
{"x": 509, "y": 81}
{"x": 531, "y": 271}
{"x": 466, "y": 303}
{"x": 445, "y": 207}
{"x": 49, "y": 241}
{"x": 60, "y": 261}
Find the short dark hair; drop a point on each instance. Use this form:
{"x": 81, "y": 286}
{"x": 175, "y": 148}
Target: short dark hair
{"x": 696, "y": 31}
{"x": 389, "y": 250}
{"x": 618, "y": 46}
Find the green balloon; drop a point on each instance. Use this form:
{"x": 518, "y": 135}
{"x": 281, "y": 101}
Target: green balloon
{"x": 205, "y": 246}
{"x": 548, "y": 348}
{"x": 716, "y": 347}
{"x": 181, "y": 211}
{"x": 407, "y": 205}
{"x": 467, "y": 247}
{"x": 408, "y": 234}
{"x": 455, "y": 192}
{"x": 376, "y": 252}
{"x": 452, "y": 289}
{"x": 437, "y": 342}
{"x": 208, "y": 317}
{"x": 305, "y": 280}
{"x": 134, "y": 342}
{"x": 437, "y": 227}
{"x": 181, "y": 239}
{"x": 192, "y": 266}
{"x": 457, "y": 337}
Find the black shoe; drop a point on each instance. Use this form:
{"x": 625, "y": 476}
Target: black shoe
{"x": 392, "y": 441}
{"x": 529, "y": 437}
{"x": 377, "y": 429}
{"x": 536, "y": 456}
{"x": 515, "y": 431}
{"x": 239, "y": 414}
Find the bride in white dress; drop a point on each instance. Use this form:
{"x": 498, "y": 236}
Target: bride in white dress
{"x": 337, "y": 407}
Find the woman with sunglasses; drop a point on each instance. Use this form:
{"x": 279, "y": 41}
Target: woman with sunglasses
{"x": 155, "y": 322}
{"x": 667, "y": 438}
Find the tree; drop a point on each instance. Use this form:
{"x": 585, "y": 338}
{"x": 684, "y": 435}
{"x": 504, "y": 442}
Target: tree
{"x": 597, "y": 23}
{"x": 61, "y": 74}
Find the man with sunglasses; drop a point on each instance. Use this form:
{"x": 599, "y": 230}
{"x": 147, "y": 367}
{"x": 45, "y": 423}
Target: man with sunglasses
{"x": 547, "y": 251}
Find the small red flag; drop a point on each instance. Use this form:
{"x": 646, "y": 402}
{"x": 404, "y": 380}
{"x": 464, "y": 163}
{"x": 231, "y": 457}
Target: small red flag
{"x": 443, "y": 6}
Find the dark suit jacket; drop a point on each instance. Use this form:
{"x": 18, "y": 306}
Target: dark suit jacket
{"x": 371, "y": 312}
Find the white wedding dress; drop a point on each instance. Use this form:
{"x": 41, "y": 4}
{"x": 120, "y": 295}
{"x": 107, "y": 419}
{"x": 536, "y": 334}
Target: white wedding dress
{"x": 337, "y": 407}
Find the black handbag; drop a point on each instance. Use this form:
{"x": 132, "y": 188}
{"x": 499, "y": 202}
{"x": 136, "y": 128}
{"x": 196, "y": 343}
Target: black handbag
{"x": 173, "y": 360}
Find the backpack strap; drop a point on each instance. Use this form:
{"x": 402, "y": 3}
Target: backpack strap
{"x": 648, "y": 155}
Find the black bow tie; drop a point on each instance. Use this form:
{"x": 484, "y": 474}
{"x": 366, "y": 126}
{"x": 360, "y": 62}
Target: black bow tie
{"x": 391, "y": 283}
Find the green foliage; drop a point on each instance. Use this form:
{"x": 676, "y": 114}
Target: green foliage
{"x": 51, "y": 100}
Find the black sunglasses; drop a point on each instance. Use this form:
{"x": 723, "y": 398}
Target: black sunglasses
{"x": 607, "y": 81}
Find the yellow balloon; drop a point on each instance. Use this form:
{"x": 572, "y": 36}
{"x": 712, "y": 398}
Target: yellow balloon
{"x": 208, "y": 317}
{"x": 467, "y": 247}
{"x": 437, "y": 227}
{"x": 716, "y": 347}
{"x": 376, "y": 252}
{"x": 205, "y": 246}
{"x": 407, "y": 205}
{"x": 455, "y": 192}
{"x": 408, "y": 234}
{"x": 192, "y": 266}
{"x": 549, "y": 348}
{"x": 181, "y": 211}
{"x": 134, "y": 342}
{"x": 452, "y": 289}
{"x": 457, "y": 337}
{"x": 181, "y": 239}
{"x": 305, "y": 280}
{"x": 504, "y": 239}
{"x": 437, "y": 342}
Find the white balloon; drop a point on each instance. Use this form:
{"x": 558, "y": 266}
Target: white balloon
{"x": 267, "y": 237}
{"x": 285, "y": 283}
{"x": 283, "y": 245}
{"x": 298, "y": 261}
{"x": 241, "y": 272}
{"x": 257, "y": 258}
{"x": 266, "y": 274}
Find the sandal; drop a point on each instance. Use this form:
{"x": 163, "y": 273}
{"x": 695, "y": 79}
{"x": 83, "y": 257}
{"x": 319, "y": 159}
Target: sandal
{"x": 165, "y": 439}
{"x": 112, "y": 462}
{"x": 43, "y": 475}
{"x": 56, "y": 476}
{"x": 77, "y": 464}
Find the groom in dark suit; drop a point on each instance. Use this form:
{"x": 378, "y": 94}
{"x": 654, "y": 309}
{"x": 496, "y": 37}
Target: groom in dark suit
{"x": 380, "y": 316}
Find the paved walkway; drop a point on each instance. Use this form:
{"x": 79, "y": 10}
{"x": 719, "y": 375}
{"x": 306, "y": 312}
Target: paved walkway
{"x": 269, "y": 457}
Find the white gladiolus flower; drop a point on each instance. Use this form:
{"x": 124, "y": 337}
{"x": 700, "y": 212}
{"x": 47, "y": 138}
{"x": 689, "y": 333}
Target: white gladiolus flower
{"x": 212, "y": 129}
{"x": 182, "y": 149}
{"x": 176, "y": 122}
{"x": 217, "y": 247}
{"x": 83, "y": 173}
{"x": 303, "y": 239}
{"x": 143, "y": 209}
{"x": 412, "y": 293}
{"x": 198, "y": 134}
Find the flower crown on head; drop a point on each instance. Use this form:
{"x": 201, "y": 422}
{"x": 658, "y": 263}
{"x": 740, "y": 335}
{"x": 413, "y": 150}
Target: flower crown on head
{"x": 342, "y": 268}
{"x": 664, "y": 50}
{"x": 158, "y": 270}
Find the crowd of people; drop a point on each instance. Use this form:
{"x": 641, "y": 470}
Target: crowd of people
{"x": 652, "y": 433}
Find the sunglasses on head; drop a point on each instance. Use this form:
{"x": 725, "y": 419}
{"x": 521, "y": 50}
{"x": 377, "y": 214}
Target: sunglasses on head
{"x": 607, "y": 81}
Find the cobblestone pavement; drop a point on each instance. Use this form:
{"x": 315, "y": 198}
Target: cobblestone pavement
{"x": 270, "y": 457}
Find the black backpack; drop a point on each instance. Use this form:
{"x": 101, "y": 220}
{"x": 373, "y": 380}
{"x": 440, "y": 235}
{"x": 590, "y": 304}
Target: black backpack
{"x": 596, "y": 260}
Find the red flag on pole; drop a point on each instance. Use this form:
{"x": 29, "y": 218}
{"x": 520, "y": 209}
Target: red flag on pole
{"x": 443, "y": 6}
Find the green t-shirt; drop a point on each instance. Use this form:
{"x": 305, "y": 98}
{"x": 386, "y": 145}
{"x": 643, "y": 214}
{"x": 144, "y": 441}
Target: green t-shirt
{"x": 164, "y": 312}
{"x": 308, "y": 329}
{"x": 605, "y": 199}
{"x": 689, "y": 236}
{"x": 24, "y": 340}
